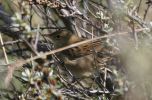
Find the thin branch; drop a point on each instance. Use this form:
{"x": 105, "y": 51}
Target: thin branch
{"x": 73, "y": 45}
{"x": 139, "y": 6}
{"x": 146, "y": 11}
{"x": 4, "y": 51}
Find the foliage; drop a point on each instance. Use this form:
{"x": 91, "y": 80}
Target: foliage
{"x": 123, "y": 26}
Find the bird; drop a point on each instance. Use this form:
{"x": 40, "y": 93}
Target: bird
{"x": 80, "y": 60}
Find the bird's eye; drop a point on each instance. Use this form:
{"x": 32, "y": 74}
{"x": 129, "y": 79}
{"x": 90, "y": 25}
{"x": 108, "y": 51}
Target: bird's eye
{"x": 58, "y": 36}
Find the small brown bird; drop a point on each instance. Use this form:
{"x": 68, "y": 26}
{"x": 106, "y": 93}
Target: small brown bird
{"x": 78, "y": 60}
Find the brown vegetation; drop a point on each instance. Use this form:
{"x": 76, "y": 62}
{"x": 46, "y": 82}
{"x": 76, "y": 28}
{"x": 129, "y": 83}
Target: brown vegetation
{"x": 76, "y": 49}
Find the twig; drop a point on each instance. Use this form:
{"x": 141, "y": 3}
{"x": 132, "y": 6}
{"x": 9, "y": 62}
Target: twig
{"x": 37, "y": 37}
{"x": 139, "y": 5}
{"x": 11, "y": 42}
{"x": 99, "y": 4}
{"x": 104, "y": 82}
{"x": 4, "y": 51}
{"x": 138, "y": 20}
{"x": 74, "y": 45}
{"x": 146, "y": 11}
